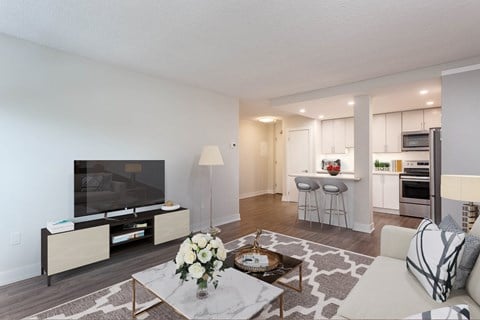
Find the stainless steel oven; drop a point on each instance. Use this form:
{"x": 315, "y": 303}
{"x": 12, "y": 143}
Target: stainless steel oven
{"x": 415, "y": 190}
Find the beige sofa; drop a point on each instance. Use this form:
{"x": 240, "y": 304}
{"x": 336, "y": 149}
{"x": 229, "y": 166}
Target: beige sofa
{"x": 388, "y": 291}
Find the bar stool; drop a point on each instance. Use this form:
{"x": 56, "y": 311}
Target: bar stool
{"x": 335, "y": 189}
{"x": 307, "y": 187}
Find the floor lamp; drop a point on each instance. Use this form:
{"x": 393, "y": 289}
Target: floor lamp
{"x": 464, "y": 188}
{"x": 211, "y": 157}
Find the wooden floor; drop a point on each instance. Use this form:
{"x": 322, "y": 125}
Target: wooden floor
{"x": 267, "y": 212}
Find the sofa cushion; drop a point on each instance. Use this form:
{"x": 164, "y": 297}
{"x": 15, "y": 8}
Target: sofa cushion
{"x": 457, "y": 312}
{"x": 470, "y": 252}
{"x": 473, "y": 283}
{"x": 433, "y": 257}
{"x": 476, "y": 228}
{"x": 388, "y": 291}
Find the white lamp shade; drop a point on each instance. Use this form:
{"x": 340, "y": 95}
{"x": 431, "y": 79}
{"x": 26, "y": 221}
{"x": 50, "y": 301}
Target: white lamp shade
{"x": 461, "y": 187}
{"x": 211, "y": 156}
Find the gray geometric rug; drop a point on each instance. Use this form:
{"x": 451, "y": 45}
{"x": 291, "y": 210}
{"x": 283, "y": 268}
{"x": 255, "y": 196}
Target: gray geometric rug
{"x": 329, "y": 274}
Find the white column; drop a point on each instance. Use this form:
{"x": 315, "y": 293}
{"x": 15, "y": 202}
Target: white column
{"x": 363, "y": 219}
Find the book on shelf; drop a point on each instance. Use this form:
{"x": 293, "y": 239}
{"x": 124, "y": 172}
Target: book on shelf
{"x": 135, "y": 225}
{"x": 128, "y": 236}
{"x": 60, "y": 226}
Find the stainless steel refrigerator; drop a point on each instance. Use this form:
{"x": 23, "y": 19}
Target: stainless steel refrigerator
{"x": 435, "y": 174}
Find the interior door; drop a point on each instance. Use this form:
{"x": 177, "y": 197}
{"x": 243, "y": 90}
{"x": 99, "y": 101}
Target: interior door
{"x": 279, "y": 157}
{"x": 298, "y": 158}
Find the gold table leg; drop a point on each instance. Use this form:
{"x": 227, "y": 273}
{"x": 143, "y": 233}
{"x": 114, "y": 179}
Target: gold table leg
{"x": 300, "y": 279}
{"x": 133, "y": 298}
{"x": 281, "y": 305}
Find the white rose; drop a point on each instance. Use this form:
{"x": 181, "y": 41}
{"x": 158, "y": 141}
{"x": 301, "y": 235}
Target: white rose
{"x": 214, "y": 243}
{"x": 187, "y": 241}
{"x": 208, "y": 236}
{"x": 179, "y": 259}
{"x": 196, "y": 270}
{"x": 208, "y": 247}
{"x": 200, "y": 240}
{"x": 222, "y": 253}
{"x": 217, "y": 264}
{"x": 204, "y": 255}
{"x": 189, "y": 257}
{"x": 194, "y": 247}
{"x": 186, "y": 246}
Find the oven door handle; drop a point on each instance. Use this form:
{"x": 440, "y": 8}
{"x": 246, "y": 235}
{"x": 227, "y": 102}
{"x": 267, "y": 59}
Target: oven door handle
{"x": 415, "y": 179}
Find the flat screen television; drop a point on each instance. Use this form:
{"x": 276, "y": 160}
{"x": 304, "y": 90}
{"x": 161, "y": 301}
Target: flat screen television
{"x": 102, "y": 186}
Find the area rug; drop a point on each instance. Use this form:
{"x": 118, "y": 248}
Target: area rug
{"x": 329, "y": 274}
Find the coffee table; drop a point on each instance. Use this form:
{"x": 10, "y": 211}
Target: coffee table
{"x": 238, "y": 296}
{"x": 286, "y": 266}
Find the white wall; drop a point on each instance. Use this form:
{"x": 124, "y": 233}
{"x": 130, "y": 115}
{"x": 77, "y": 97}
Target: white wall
{"x": 460, "y": 130}
{"x": 256, "y": 158}
{"x": 55, "y": 108}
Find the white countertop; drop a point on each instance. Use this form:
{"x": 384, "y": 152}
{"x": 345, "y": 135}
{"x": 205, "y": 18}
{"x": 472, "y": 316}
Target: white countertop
{"x": 387, "y": 173}
{"x": 340, "y": 176}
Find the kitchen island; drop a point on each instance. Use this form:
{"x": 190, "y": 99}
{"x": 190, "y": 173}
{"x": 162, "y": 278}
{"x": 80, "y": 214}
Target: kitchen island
{"x": 349, "y": 179}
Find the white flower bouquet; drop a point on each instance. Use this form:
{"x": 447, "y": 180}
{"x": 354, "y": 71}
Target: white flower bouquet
{"x": 201, "y": 257}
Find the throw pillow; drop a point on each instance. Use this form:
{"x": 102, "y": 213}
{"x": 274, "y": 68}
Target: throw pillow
{"x": 432, "y": 258}
{"x": 470, "y": 252}
{"x": 460, "y": 311}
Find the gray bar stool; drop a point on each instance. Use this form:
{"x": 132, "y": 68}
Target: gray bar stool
{"x": 335, "y": 189}
{"x": 307, "y": 187}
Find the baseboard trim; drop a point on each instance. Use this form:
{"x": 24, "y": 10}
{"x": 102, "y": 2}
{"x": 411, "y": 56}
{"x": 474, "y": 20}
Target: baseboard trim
{"x": 18, "y": 274}
{"x": 216, "y": 222}
{"x": 362, "y": 227}
{"x": 385, "y": 210}
{"x": 255, "y": 193}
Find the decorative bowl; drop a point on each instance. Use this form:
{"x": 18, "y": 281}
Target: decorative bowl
{"x": 273, "y": 259}
{"x": 333, "y": 172}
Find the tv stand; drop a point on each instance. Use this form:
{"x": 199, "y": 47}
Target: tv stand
{"x": 97, "y": 240}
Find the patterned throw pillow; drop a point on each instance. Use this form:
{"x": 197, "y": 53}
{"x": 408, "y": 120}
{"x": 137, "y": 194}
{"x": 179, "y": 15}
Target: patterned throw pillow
{"x": 470, "y": 252}
{"x": 459, "y": 311}
{"x": 432, "y": 258}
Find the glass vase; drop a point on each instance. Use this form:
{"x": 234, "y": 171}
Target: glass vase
{"x": 202, "y": 292}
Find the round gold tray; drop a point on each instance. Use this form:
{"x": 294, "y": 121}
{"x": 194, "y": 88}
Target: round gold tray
{"x": 273, "y": 259}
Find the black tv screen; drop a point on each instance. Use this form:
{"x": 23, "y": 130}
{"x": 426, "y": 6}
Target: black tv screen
{"x": 102, "y": 186}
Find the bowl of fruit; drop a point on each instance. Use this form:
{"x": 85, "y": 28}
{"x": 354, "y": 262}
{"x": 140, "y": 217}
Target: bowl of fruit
{"x": 333, "y": 169}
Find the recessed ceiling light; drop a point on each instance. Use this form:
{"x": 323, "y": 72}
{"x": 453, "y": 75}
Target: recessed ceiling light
{"x": 351, "y": 103}
{"x": 430, "y": 103}
{"x": 302, "y": 110}
{"x": 423, "y": 92}
{"x": 321, "y": 116}
{"x": 267, "y": 119}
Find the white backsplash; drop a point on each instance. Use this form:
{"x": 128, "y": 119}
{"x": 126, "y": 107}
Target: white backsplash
{"x": 348, "y": 158}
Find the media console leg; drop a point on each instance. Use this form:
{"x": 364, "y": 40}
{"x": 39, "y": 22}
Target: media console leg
{"x": 48, "y": 281}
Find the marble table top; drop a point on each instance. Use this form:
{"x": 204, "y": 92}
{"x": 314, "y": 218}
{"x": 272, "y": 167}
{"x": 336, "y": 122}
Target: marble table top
{"x": 238, "y": 295}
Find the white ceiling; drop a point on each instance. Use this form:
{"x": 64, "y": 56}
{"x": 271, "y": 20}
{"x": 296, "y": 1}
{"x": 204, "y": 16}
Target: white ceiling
{"x": 389, "y": 99}
{"x": 254, "y": 49}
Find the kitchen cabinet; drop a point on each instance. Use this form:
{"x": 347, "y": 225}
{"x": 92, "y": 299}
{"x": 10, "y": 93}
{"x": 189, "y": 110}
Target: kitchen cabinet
{"x": 385, "y": 192}
{"x": 418, "y": 120}
{"x": 432, "y": 118}
{"x": 387, "y": 132}
{"x": 349, "y": 133}
{"x": 333, "y": 136}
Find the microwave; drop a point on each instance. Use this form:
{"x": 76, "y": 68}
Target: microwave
{"x": 415, "y": 141}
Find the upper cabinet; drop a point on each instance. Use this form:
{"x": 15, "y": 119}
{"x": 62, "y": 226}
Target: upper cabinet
{"x": 418, "y": 120}
{"x": 337, "y": 135}
{"x": 432, "y": 118}
{"x": 387, "y": 132}
{"x": 349, "y": 133}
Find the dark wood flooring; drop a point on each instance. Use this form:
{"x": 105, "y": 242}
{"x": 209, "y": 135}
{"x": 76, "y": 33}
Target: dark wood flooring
{"x": 268, "y": 212}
